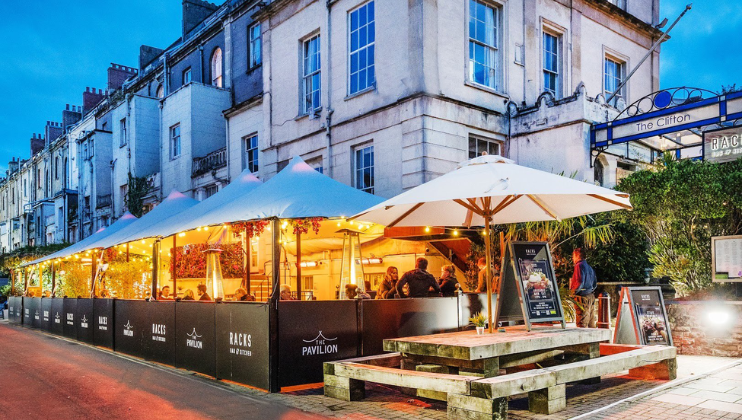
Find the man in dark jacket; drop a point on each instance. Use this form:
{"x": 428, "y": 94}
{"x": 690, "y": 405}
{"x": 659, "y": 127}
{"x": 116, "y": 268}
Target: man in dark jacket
{"x": 202, "y": 292}
{"x": 419, "y": 281}
{"x": 583, "y": 285}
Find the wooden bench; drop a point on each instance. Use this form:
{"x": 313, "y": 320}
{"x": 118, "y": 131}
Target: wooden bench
{"x": 472, "y": 397}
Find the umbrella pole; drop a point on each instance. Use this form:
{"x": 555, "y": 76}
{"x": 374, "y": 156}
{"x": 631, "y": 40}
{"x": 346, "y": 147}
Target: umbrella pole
{"x": 488, "y": 273}
{"x": 298, "y": 265}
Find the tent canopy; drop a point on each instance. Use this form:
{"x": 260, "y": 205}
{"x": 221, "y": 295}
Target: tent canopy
{"x": 239, "y": 187}
{"x": 173, "y": 204}
{"x": 298, "y": 191}
{"x": 514, "y": 194}
{"x": 87, "y": 243}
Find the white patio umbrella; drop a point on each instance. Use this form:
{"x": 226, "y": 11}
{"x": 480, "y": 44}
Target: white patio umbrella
{"x": 493, "y": 190}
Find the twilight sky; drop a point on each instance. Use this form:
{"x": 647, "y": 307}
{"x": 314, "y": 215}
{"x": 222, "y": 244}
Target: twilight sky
{"x": 53, "y": 49}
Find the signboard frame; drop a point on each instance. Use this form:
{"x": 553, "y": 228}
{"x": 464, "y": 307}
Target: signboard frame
{"x": 628, "y": 327}
{"x": 707, "y": 135}
{"x": 511, "y": 276}
{"x": 714, "y": 239}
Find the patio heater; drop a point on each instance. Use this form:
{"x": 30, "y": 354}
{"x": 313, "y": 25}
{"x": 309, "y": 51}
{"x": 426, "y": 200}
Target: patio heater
{"x": 351, "y": 265}
{"x": 214, "y": 284}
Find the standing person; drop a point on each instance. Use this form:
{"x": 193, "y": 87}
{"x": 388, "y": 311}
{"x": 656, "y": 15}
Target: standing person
{"x": 202, "y": 295}
{"x": 448, "y": 281}
{"x": 481, "y": 284}
{"x": 388, "y": 286}
{"x": 583, "y": 285}
{"x": 419, "y": 281}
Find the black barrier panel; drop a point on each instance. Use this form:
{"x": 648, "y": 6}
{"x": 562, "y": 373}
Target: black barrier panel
{"x": 69, "y": 318}
{"x": 15, "y": 309}
{"x": 57, "y": 316}
{"x": 131, "y": 321}
{"x": 159, "y": 334}
{"x": 103, "y": 322}
{"x": 396, "y": 318}
{"x": 46, "y": 314}
{"x": 311, "y": 333}
{"x": 35, "y": 310}
{"x": 242, "y": 343}
{"x": 195, "y": 336}
{"x": 27, "y": 303}
{"x": 473, "y": 303}
{"x": 84, "y": 320}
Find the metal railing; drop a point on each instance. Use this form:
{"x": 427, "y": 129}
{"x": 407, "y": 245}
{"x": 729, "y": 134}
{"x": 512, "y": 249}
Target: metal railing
{"x": 214, "y": 160}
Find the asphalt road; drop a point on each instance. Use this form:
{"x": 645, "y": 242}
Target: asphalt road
{"x": 43, "y": 377}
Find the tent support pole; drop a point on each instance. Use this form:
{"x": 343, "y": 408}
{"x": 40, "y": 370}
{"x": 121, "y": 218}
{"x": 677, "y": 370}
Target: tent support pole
{"x": 92, "y": 273}
{"x": 175, "y": 260}
{"x": 155, "y": 267}
{"x": 488, "y": 273}
{"x": 298, "y": 265}
{"x": 54, "y": 279}
{"x": 276, "y": 263}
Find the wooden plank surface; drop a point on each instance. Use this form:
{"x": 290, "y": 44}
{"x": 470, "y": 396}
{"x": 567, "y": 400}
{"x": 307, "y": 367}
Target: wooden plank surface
{"x": 468, "y": 345}
{"x": 406, "y": 378}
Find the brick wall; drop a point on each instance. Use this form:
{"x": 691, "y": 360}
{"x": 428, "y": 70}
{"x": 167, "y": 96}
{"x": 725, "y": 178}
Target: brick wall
{"x": 701, "y": 328}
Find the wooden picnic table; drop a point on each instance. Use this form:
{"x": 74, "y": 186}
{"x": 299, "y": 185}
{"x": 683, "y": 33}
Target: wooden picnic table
{"x": 488, "y": 353}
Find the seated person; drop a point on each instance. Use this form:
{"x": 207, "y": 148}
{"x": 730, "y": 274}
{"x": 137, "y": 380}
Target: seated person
{"x": 164, "y": 293}
{"x": 202, "y": 292}
{"x": 353, "y": 292}
{"x": 286, "y": 292}
{"x": 387, "y": 287}
{"x": 241, "y": 295}
{"x": 188, "y": 295}
{"x": 448, "y": 281}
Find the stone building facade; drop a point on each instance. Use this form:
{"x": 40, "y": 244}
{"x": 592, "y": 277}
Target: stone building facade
{"x": 379, "y": 94}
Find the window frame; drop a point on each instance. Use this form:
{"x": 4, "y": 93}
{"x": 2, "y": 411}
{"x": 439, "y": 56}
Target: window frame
{"x": 252, "y": 61}
{"x": 498, "y": 46}
{"x": 218, "y": 81}
{"x": 172, "y": 138}
{"x": 489, "y": 141}
{"x": 307, "y": 78}
{"x": 122, "y": 133}
{"x": 183, "y": 76}
{"x": 368, "y": 45}
{"x": 558, "y": 72}
{"x": 622, "y": 63}
{"x": 247, "y": 149}
{"x": 358, "y": 151}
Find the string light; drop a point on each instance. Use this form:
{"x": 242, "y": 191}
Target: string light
{"x": 198, "y": 229}
{"x": 181, "y": 234}
{"x": 206, "y": 228}
{"x": 427, "y": 229}
{"x": 455, "y": 232}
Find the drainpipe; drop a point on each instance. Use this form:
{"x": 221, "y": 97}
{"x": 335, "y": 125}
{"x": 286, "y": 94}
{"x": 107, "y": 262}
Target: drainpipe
{"x": 328, "y": 128}
{"x": 113, "y": 184}
{"x": 201, "y": 61}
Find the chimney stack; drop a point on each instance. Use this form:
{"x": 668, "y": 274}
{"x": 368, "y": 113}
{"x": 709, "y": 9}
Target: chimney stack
{"x": 37, "y": 144}
{"x": 118, "y": 74}
{"x": 91, "y": 98}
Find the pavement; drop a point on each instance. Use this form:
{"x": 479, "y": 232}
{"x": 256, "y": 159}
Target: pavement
{"x": 43, "y": 376}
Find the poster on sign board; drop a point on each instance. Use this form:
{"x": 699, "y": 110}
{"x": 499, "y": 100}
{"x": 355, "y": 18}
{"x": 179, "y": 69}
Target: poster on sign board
{"x": 528, "y": 278}
{"x": 726, "y": 258}
{"x": 642, "y": 318}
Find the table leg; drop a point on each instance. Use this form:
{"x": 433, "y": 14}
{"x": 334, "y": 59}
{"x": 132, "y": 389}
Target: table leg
{"x": 548, "y": 400}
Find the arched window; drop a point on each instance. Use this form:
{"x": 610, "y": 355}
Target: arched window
{"x": 598, "y": 172}
{"x": 160, "y": 91}
{"x": 216, "y": 68}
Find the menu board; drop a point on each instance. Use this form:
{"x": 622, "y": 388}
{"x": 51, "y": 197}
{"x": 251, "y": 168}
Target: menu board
{"x": 642, "y": 318}
{"x": 650, "y": 316}
{"x": 528, "y": 271}
{"x": 726, "y": 254}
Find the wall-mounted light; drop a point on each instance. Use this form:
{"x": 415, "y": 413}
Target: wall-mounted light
{"x": 308, "y": 264}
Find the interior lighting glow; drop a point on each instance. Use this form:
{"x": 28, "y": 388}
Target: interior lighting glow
{"x": 427, "y": 229}
{"x": 181, "y": 234}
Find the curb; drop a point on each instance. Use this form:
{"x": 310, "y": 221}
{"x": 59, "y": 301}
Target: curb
{"x": 668, "y": 385}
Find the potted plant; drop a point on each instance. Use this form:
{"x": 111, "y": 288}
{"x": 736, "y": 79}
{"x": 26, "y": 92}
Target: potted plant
{"x": 480, "y": 321}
